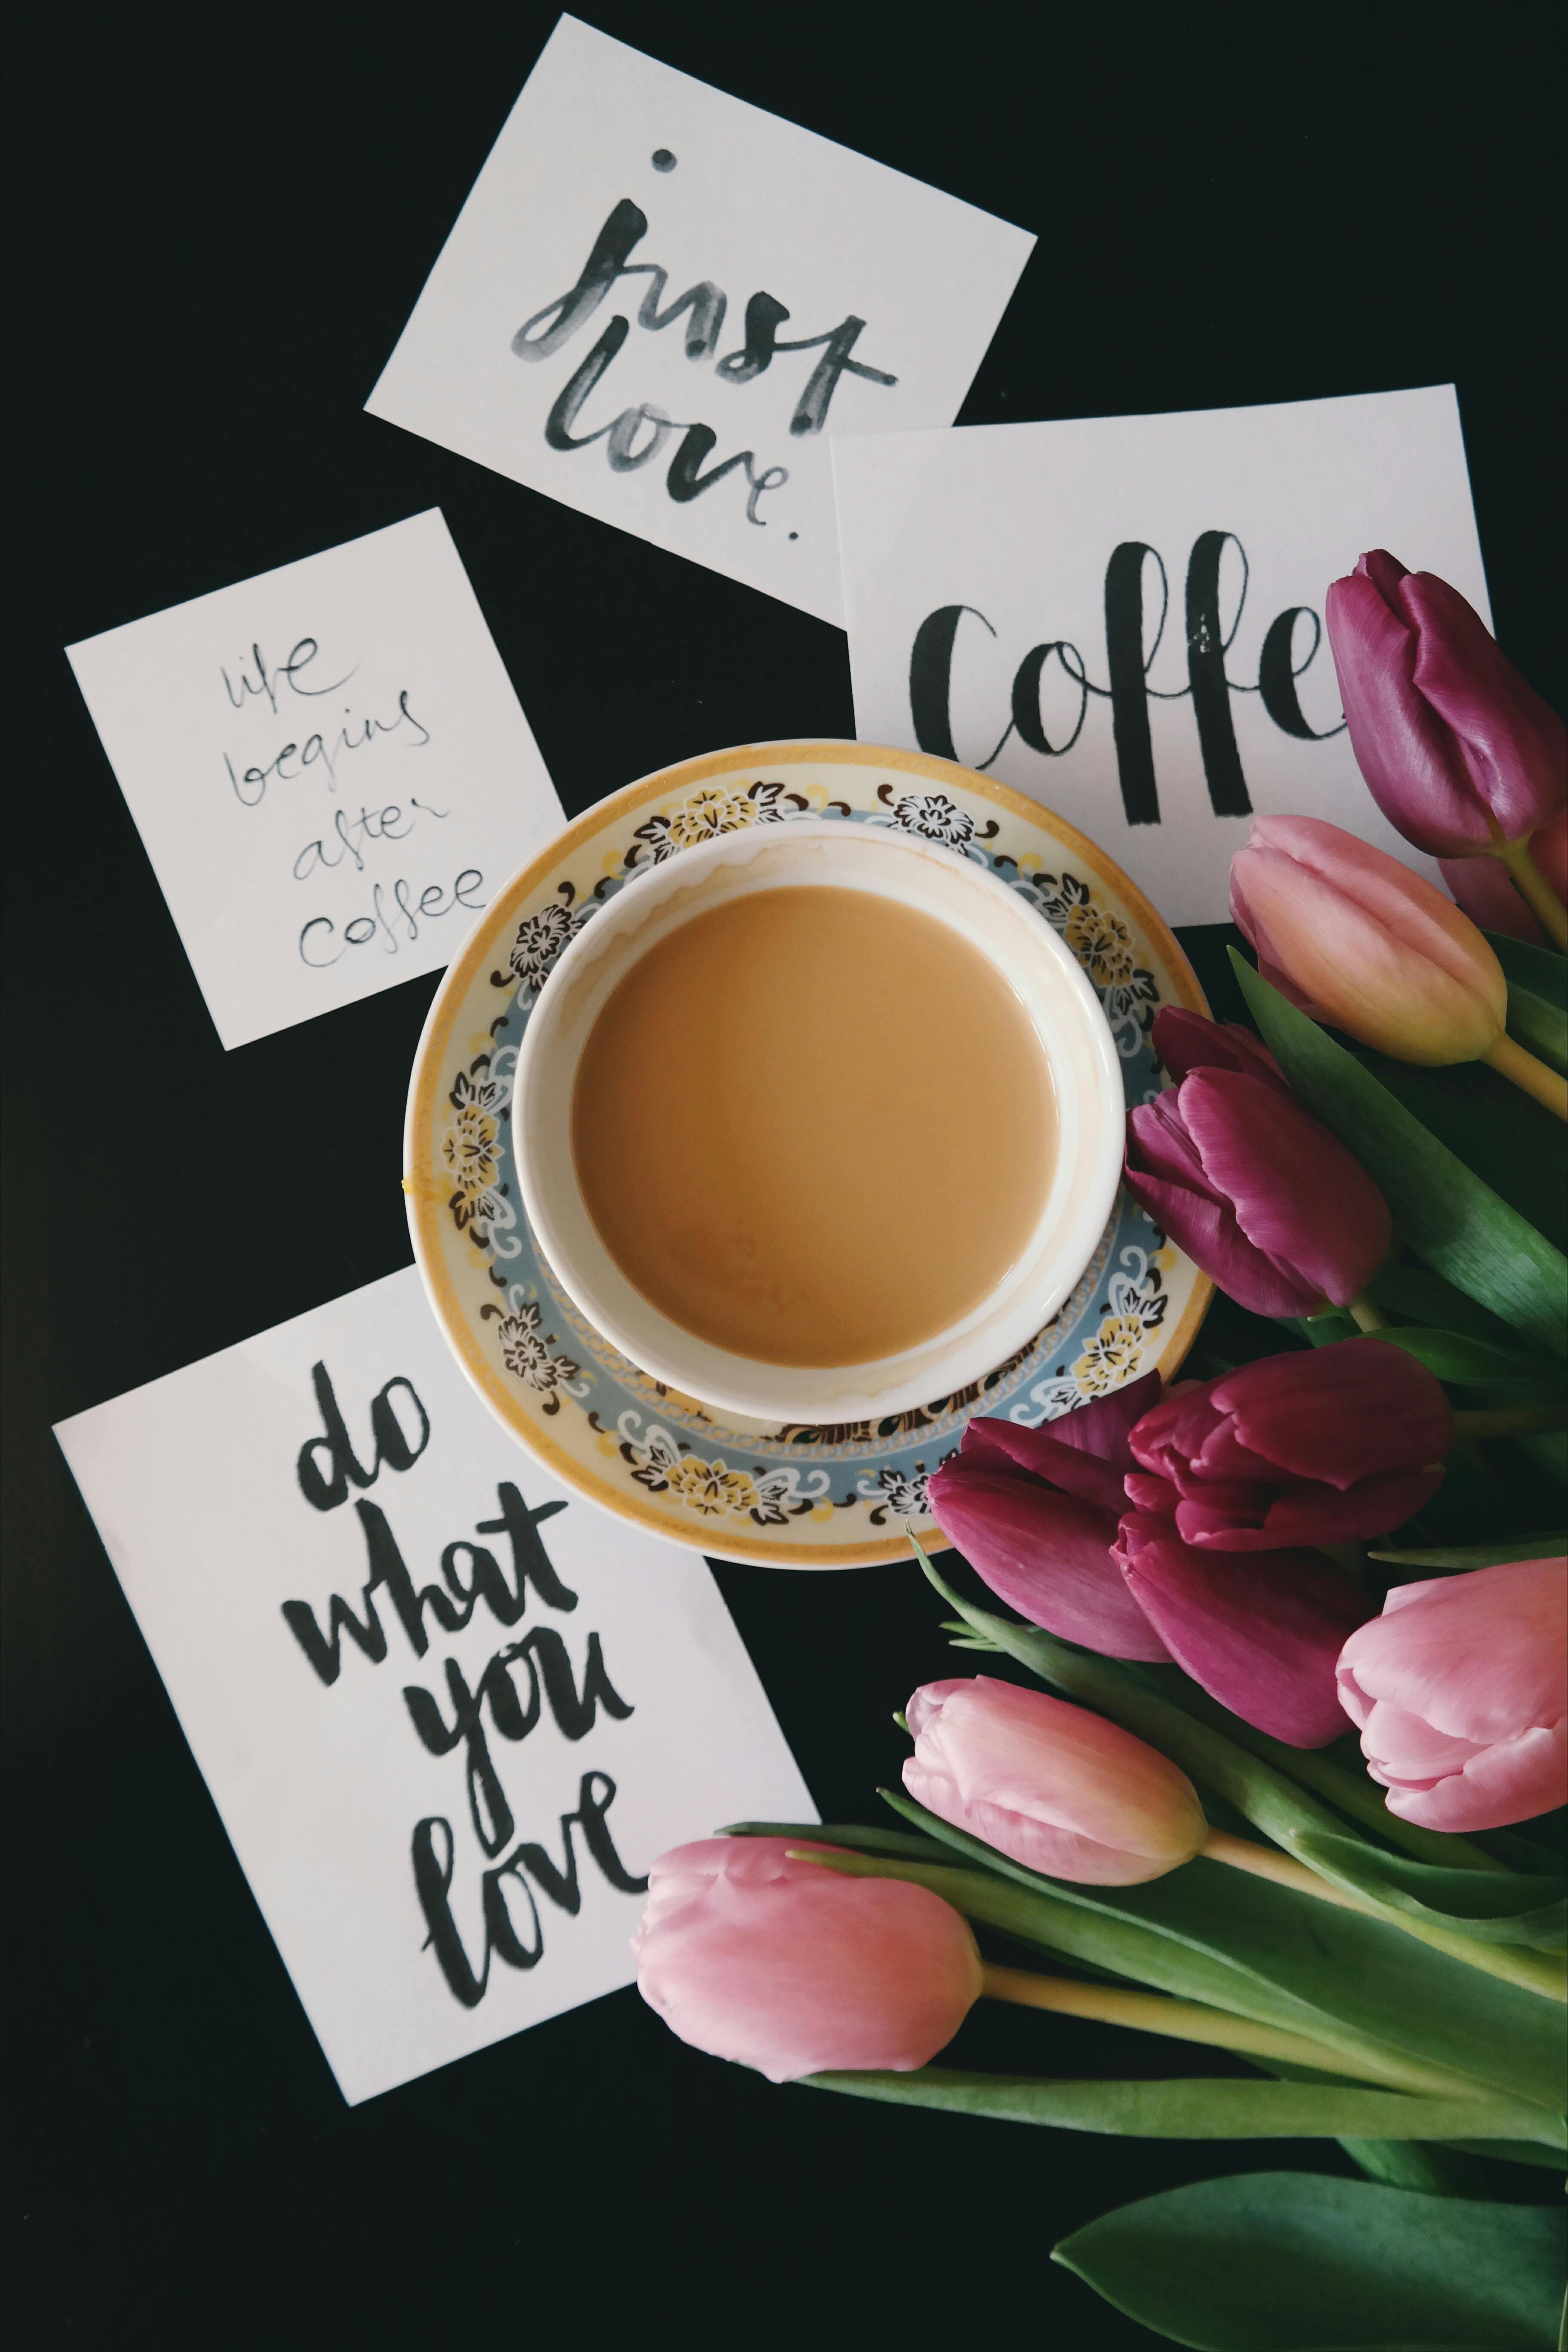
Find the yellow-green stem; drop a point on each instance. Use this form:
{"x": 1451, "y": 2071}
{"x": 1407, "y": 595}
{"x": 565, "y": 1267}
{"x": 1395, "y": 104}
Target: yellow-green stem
{"x": 1515, "y": 1963}
{"x": 1510, "y": 1420}
{"x": 1366, "y": 1314}
{"x": 1509, "y": 1060}
{"x": 1189, "y": 2021}
{"x": 1535, "y": 890}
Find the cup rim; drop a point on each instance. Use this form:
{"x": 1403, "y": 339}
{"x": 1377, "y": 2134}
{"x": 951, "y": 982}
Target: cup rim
{"x": 953, "y": 1358}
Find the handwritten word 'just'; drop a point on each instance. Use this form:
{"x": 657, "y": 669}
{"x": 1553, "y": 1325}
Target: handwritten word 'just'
{"x": 639, "y": 435}
{"x": 1130, "y": 652}
{"x": 471, "y": 1573}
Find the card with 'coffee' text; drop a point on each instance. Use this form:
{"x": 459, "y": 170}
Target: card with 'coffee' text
{"x": 330, "y": 770}
{"x": 449, "y": 1712}
{"x": 1122, "y": 616}
{"x": 658, "y": 304}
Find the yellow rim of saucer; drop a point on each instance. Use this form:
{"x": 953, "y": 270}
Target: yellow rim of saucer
{"x": 424, "y": 1207}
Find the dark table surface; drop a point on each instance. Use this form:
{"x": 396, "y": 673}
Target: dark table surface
{"x": 217, "y": 221}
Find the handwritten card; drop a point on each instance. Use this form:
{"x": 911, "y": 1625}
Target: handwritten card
{"x": 659, "y": 303}
{"x": 329, "y": 768}
{"x": 449, "y": 1712}
{"x": 1122, "y": 616}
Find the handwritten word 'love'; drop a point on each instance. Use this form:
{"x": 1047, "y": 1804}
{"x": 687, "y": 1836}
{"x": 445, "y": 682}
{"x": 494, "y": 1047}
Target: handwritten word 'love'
{"x": 639, "y": 435}
{"x": 1128, "y": 691}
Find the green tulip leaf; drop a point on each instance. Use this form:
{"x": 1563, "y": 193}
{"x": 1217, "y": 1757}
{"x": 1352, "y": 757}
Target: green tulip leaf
{"x": 1465, "y": 1362}
{"x": 1496, "y": 1907}
{"x": 1541, "y": 970}
{"x": 1539, "y": 1027}
{"x": 1416, "y": 1291}
{"x": 1207, "y": 2108}
{"x": 1553, "y": 1545}
{"x": 1510, "y": 1142}
{"x": 1298, "y": 2261}
{"x": 1466, "y": 1231}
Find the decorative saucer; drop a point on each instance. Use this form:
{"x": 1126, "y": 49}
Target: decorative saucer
{"x": 789, "y": 1495}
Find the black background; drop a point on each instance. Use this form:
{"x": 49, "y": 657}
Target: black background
{"x": 217, "y": 220}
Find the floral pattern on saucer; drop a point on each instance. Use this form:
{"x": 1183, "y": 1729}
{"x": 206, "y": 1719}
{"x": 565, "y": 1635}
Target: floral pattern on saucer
{"x": 795, "y": 1495}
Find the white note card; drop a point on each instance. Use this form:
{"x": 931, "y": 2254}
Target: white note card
{"x": 658, "y": 304}
{"x": 330, "y": 770}
{"x": 1122, "y": 616}
{"x": 449, "y": 1712}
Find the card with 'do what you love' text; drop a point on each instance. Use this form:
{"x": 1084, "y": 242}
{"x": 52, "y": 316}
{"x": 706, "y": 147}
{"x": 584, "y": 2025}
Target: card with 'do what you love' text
{"x": 449, "y": 1712}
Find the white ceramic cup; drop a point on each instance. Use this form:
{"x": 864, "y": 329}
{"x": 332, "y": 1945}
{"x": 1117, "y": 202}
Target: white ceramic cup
{"x": 1042, "y": 974}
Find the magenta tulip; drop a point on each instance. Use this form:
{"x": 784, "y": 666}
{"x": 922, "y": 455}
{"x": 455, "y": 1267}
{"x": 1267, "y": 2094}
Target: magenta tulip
{"x": 1184, "y": 1041}
{"x": 1459, "y": 753}
{"x": 1262, "y": 1635}
{"x": 1327, "y": 1447}
{"x": 1054, "y": 1786}
{"x": 1480, "y": 887}
{"x": 1034, "y": 1511}
{"x": 1460, "y": 1693}
{"x": 1352, "y": 937}
{"x": 793, "y": 1969}
{"x": 1257, "y": 1193}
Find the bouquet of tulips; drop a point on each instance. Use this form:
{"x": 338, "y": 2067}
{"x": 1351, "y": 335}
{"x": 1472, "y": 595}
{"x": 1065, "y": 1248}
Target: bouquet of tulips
{"x": 1155, "y": 1813}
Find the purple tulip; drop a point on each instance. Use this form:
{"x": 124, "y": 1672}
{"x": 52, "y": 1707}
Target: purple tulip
{"x": 1263, "y": 1635}
{"x": 1460, "y": 754}
{"x": 1330, "y": 1448}
{"x": 1257, "y": 1193}
{"x": 1185, "y": 1042}
{"x": 1034, "y": 1512}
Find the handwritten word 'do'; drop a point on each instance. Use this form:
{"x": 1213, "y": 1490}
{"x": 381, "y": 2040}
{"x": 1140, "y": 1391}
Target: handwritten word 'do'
{"x": 1129, "y": 655}
{"x": 639, "y": 435}
{"x": 321, "y": 946}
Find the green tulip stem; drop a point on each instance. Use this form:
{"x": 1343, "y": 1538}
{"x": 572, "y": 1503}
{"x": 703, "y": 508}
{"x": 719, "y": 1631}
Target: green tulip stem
{"x": 1535, "y": 890}
{"x": 1189, "y": 2021}
{"x": 1511, "y": 1060}
{"x": 1511, "y": 1421}
{"x": 1366, "y": 1314}
{"x": 1516, "y": 1964}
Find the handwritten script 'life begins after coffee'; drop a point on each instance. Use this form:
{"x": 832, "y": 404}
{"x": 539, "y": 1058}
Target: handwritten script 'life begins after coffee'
{"x": 522, "y": 1680}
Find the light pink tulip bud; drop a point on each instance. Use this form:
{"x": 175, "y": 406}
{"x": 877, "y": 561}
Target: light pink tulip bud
{"x": 1460, "y": 1691}
{"x": 1058, "y": 1789}
{"x": 1352, "y": 937}
{"x": 787, "y": 1967}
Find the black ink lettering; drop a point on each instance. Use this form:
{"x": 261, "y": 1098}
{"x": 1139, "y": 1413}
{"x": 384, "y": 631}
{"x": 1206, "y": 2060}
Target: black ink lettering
{"x": 1026, "y": 698}
{"x": 1128, "y": 675}
{"x": 683, "y": 481}
{"x": 1206, "y": 648}
{"x": 325, "y": 1491}
{"x": 558, "y": 425}
{"x": 930, "y": 681}
{"x": 706, "y": 303}
{"x": 811, "y": 408}
{"x": 764, "y": 316}
{"x": 531, "y": 1562}
{"x": 625, "y": 227}
{"x": 1277, "y": 675}
{"x": 325, "y": 1654}
{"x": 623, "y": 455}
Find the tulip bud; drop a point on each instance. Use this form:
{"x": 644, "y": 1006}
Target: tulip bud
{"x": 1261, "y": 1633}
{"x": 1184, "y": 1041}
{"x": 1351, "y": 937}
{"x": 1326, "y": 1448}
{"x": 1260, "y": 1195}
{"x": 1054, "y": 1786}
{"x": 1459, "y": 753}
{"x": 788, "y": 1967}
{"x": 1034, "y": 1511}
{"x": 1460, "y": 1693}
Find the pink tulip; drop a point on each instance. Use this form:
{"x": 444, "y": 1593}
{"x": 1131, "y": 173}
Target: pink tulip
{"x": 1257, "y": 1193}
{"x": 1327, "y": 1447}
{"x": 793, "y": 1969}
{"x": 1054, "y": 1786}
{"x": 1261, "y": 1633}
{"x": 1349, "y": 935}
{"x": 1184, "y": 1041}
{"x": 1034, "y": 1511}
{"x": 1460, "y": 1692}
{"x": 1459, "y": 753}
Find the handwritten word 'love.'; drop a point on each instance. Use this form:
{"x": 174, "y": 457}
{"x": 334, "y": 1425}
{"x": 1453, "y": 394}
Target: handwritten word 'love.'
{"x": 639, "y": 435}
{"x": 1209, "y": 686}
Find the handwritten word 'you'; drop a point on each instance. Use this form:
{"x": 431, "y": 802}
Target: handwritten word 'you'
{"x": 639, "y": 435}
{"x": 522, "y": 1680}
{"x": 1129, "y": 654}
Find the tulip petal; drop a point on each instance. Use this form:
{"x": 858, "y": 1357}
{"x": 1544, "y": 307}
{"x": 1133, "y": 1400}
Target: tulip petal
{"x": 1343, "y": 1413}
{"x": 1414, "y": 770}
{"x": 1048, "y": 1555}
{"x": 1512, "y": 1781}
{"x": 1402, "y": 1749}
{"x": 1207, "y": 1231}
{"x": 1308, "y": 1514}
{"x": 1297, "y": 1193}
{"x": 1482, "y": 888}
{"x": 1184, "y": 1041}
{"x": 1482, "y": 1656}
{"x": 1513, "y": 744}
{"x": 1083, "y": 1453}
{"x": 1263, "y": 1635}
